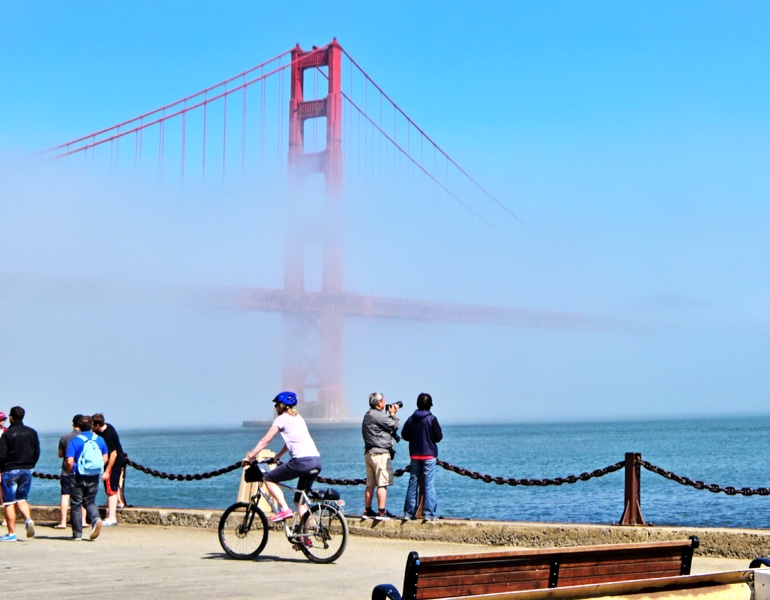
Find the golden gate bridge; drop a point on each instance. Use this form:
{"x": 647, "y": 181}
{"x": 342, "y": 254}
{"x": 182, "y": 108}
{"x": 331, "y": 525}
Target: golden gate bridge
{"x": 335, "y": 128}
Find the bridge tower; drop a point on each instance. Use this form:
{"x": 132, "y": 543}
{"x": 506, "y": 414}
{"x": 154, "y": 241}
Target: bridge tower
{"x": 313, "y": 338}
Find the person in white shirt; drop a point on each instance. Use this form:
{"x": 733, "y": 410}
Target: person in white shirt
{"x": 305, "y": 461}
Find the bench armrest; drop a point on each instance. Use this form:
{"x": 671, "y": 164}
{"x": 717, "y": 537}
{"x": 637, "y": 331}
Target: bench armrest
{"x": 385, "y": 591}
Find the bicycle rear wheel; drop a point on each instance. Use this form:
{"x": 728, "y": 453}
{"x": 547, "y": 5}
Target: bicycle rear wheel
{"x": 243, "y": 530}
{"x": 327, "y": 533}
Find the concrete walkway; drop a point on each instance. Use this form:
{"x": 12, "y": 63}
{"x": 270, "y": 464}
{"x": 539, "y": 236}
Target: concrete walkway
{"x": 142, "y": 561}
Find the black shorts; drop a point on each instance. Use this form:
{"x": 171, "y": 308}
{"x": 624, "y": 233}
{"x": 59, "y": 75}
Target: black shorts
{"x": 112, "y": 484}
{"x": 66, "y": 484}
{"x": 297, "y": 467}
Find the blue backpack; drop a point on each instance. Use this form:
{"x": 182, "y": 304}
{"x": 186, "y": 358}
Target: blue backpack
{"x": 91, "y": 460}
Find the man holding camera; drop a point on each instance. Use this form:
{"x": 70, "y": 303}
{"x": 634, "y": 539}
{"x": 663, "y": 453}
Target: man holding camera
{"x": 380, "y": 432}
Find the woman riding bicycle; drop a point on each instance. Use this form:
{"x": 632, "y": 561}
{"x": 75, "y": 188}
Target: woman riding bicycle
{"x": 297, "y": 441}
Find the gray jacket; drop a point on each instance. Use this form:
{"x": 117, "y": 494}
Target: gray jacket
{"x": 376, "y": 429}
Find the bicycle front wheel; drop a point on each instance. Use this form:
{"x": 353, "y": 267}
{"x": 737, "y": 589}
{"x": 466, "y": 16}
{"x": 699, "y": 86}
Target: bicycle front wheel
{"x": 243, "y": 530}
{"x": 326, "y": 533}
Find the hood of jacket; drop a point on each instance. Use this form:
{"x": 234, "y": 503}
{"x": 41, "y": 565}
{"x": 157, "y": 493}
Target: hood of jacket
{"x": 419, "y": 415}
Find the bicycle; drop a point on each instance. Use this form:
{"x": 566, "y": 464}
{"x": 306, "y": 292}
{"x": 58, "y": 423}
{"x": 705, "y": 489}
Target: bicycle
{"x": 321, "y": 533}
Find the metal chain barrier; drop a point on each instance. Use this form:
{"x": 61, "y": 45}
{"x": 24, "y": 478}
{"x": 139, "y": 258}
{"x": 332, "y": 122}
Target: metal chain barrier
{"x": 398, "y": 473}
{"x": 700, "y": 485}
{"x": 177, "y": 477}
{"x": 531, "y": 482}
{"x": 490, "y": 479}
{"x": 330, "y": 481}
{"x": 161, "y": 474}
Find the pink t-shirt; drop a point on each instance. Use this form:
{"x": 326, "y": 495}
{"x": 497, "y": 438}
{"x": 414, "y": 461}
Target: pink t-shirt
{"x": 296, "y": 436}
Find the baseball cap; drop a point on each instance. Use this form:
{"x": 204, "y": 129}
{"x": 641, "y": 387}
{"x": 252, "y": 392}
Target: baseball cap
{"x": 2, "y": 415}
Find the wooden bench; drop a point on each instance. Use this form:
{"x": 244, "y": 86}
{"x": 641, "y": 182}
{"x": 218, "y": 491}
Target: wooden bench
{"x": 463, "y": 575}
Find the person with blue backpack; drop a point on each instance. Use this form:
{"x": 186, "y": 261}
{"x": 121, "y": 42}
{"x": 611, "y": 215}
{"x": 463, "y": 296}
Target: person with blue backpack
{"x": 86, "y": 456}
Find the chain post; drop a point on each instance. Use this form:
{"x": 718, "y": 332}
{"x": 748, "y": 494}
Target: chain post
{"x": 632, "y": 509}
{"x": 420, "y": 497}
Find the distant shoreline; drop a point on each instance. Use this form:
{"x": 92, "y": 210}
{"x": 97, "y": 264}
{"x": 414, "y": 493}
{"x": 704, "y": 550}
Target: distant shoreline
{"x": 261, "y": 423}
{"x": 445, "y": 421}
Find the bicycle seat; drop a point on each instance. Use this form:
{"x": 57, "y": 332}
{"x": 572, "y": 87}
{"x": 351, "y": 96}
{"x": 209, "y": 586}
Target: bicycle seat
{"x": 312, "y": 473}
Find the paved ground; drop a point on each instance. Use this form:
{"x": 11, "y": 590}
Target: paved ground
{"x": 135, "y": 561}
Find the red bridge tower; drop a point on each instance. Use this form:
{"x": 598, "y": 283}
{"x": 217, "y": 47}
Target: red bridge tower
{"x": 313, "y": 338}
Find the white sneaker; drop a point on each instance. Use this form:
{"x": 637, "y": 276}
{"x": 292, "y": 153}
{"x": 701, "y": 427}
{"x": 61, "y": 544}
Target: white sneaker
{"x": 30, "y": 528}
{"x": 109, "y": 523}
{"x": 96, "y": 529}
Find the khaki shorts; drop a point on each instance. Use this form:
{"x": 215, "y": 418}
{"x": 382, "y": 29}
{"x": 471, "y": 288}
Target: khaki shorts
{"x": 379, "y": 470}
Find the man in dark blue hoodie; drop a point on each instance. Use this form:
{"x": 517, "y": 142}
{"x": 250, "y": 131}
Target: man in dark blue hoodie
{"x": 423, "y": 433}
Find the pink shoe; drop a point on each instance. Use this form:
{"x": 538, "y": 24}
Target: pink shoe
{"x": 283, "y": 515}
{"x": 307, "y": 542}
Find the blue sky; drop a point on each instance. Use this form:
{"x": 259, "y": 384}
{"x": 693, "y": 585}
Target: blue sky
{"x": 632, "y": 140}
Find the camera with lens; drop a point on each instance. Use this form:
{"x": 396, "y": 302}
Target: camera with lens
{"x": 399, "y": 404}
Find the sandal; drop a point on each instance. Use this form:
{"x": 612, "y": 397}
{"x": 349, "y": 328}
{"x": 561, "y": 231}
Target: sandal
{"x": 59, "y": 526}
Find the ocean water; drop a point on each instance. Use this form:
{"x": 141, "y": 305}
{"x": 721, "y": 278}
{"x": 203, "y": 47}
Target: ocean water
{"x": 728, "y": 452}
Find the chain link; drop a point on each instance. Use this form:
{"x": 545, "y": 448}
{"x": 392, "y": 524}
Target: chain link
{"x": 700, "y": 485}
{"x": 46, "y": 475}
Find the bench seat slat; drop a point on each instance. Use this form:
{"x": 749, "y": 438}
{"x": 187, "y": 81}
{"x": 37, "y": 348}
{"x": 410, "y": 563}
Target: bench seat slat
{"x": 431, "y": 593}
{"x": 489, "y": 582}
{"x": 521, "y": 578}
{"x": 470, "y": 568}
{"x": 612, "y": 549}
{"x": 673, "y": 567}
{"x": 602, "y": 559}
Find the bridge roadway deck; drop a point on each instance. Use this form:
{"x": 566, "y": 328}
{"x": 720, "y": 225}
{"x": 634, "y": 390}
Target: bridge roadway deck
{"x": 171, "y": 561}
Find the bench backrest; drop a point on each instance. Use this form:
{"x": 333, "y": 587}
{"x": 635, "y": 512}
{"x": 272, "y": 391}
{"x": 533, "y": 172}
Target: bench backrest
{"x": 517, "y": 570}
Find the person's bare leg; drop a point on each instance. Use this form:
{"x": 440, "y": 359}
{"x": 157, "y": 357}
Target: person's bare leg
{"x": 382, "y": 496}
{"x": 64, "y": 505}
{"x": 121, "y": 498}
{"x": 23, "y": 509}
{"x": 10, "y": 518}
{"x": 277, "y": 493}
{"x": 112, "y": 507}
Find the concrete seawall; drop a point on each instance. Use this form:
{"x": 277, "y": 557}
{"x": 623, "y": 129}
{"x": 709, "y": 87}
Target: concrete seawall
{"x": 724, "y": 543}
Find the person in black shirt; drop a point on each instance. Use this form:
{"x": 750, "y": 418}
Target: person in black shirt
{"x": 19, "y": 453}
{"x": 113, "y": 470}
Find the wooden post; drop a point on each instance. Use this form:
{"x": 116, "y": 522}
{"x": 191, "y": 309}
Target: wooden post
{"x": 420, "y": 497}
{"x": 632, "y": 509}
{"x": 247, "y": 490}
